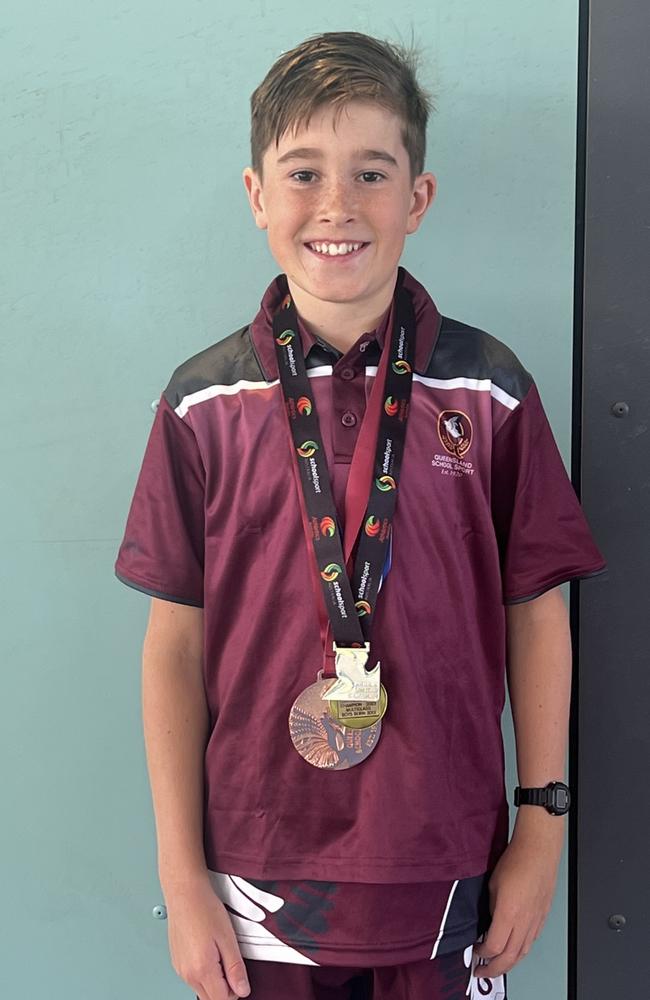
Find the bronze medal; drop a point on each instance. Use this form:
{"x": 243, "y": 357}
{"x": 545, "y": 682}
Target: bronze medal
{"x": 321, "y": 738}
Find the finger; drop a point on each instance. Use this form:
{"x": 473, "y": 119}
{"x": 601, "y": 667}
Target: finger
{"x": 527, "y": 945}
{"x": 496, "y": 938}
{"x": 534, "y": 931}
{"x": 209, "y": 994}
{"x": 214, "y": 983}
{"x": 215, "y": 986}
{"x": 238, "y": 980}
{"x": 234, "y": 970}
{"x": 541, "y": 923}
{"x": 504, "y": 961}
{"x": 229, "y": 967}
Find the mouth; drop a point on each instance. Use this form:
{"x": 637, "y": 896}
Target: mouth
{"x": 342, "y": 251}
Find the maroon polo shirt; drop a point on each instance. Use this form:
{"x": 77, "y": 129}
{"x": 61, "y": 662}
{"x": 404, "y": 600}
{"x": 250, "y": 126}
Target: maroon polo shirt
{"x": 486, "y": 516}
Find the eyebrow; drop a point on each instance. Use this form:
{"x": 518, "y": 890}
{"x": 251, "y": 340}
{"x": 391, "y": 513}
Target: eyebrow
{"x": 305, "y": 152}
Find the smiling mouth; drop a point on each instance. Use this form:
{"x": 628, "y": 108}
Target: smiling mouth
{"x": 342, "y": 251}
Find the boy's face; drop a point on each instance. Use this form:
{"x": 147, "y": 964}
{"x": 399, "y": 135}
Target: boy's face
{"x": 351, "y": 185}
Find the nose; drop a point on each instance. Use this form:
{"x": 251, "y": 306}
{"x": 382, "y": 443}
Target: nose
{"x": 338, "y": 203}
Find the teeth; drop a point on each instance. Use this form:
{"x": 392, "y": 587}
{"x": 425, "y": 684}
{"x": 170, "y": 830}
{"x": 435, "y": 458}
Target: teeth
{"x": 332, "y": 249}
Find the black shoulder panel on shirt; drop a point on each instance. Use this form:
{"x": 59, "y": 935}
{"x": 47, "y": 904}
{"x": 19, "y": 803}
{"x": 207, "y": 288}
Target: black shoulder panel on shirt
{"x": 464, "y": 351}
{"x": 223, "y": 363}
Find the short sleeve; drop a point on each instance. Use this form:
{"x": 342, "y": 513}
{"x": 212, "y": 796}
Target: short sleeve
{"x": 543, "y": 535}
{"x": 162, "y": 550}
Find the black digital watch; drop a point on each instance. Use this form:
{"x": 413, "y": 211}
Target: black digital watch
{"x": 555, "y": 797}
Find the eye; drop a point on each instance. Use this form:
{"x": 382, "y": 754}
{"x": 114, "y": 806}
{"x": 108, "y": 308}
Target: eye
{"x": 372, "y": 173}
{"x": 298, "y": 174}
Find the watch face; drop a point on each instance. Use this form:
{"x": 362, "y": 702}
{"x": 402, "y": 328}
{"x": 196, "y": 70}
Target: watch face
{"x": 560, "y": 798}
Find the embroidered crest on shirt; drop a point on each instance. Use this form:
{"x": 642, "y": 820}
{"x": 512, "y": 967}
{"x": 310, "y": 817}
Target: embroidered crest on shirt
{"x": 455, "y": 432}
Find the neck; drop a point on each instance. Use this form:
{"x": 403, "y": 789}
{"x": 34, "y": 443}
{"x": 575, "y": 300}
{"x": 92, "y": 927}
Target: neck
{"x": 342, "y": 323}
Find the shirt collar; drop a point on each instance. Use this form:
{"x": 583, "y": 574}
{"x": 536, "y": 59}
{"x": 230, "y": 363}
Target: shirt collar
{"x": 427, "y": 320}
{"x": 312, "y": 341}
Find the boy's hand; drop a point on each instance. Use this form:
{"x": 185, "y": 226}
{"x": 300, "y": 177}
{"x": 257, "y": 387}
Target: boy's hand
{"x": 521, "y": 892}
{"x": 202, "y": 943}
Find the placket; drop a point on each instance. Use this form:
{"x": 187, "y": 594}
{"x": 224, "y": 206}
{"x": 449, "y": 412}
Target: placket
{"x": 348, "y": 396}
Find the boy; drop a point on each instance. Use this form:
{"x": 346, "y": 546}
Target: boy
{"x": 280, "y": 504}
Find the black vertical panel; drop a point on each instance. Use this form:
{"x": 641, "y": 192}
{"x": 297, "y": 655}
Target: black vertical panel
{"x": 609, "y": 860}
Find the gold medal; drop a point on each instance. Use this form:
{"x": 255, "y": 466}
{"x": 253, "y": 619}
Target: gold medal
{"x": 360, "y": 714}
{"x": 321, "y": 738}
{"x": 353, "y": 681}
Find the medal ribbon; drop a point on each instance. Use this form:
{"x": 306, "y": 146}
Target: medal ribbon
{"x": 350, "y": 604}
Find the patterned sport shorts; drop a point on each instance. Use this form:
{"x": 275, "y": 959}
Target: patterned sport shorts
{"x": 447, "y": 977}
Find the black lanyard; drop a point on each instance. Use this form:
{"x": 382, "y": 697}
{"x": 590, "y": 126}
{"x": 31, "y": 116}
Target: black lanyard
{"x": 350, "y": 604}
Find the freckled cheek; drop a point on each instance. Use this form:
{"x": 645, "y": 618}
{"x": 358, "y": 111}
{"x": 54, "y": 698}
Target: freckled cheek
{"x": 291, "y": 214}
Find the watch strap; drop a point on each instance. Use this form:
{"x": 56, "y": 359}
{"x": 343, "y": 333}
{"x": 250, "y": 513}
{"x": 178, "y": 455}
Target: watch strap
{"x": 555, "y": 797}
{"x": 531, "y": 796}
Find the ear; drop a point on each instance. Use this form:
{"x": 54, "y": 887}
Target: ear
{"x": 255, "y": 197}
{"x": 424, "y": 191}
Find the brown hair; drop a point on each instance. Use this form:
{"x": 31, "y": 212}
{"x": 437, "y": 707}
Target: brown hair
{"x": 333, "y": 68}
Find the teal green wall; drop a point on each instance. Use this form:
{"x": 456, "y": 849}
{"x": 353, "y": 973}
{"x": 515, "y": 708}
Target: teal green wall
{"x": 127, "y": 246}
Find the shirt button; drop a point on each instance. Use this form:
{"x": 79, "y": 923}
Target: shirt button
{"x": 347, "y": 373}
{"x": 348, "y": 419}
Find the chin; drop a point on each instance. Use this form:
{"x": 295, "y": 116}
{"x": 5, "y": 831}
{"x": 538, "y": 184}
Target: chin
{"x": 333, "y": 292}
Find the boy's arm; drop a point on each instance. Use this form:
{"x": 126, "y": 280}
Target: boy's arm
{"x": 203, "y": 946}
{"x": 175, "y": 720}
{"x": 539, "y": 683}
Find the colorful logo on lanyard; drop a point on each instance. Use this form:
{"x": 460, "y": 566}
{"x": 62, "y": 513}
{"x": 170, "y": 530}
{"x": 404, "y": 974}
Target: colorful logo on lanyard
{"x": 385, "y": 483}
{"x": 285, "y": 338}
{"x": 307, "y": 449}
{"x": 331, "y": 572}
{"x": 372, "y": 526}
{"x": 401, "y": 367}
{"x": 303, "y": 405}
{"x": 327, "y": 526}
{"x": 391, "y": 406}
{"x": 363, "y": 608}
